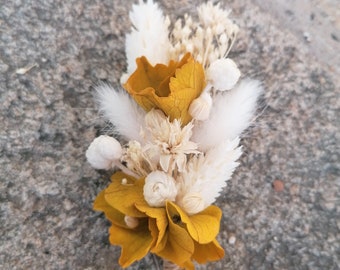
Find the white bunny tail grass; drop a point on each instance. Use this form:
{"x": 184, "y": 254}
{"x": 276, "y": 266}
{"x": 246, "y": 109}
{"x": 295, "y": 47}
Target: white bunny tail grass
{"x": 222, "y": 161}
{"x": 206, "y": 175}
{"x": 123, "y": 112}
{"x": 231, "y": 114}
{"x": 149, "y": 35}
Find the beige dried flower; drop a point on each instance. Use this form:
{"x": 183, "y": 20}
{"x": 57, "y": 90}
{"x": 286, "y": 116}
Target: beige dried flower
{"x": 169, "y": 140}
{"x": 192, "y": 203}
{"x": 200, "y": 108}
{"x": 159, "y": 187}
{"x": 138, "y": 159}
{"x": 131, "y": 222}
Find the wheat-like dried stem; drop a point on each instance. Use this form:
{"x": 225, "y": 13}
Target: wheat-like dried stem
{"x": 170, "y": 266}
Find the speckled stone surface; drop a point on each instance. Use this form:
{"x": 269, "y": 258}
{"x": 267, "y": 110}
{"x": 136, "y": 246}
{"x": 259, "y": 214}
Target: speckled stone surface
{"x": 48, "y": 118}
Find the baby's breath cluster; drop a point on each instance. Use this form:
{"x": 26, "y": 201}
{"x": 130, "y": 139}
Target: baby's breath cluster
{"x": 208, "y": 39}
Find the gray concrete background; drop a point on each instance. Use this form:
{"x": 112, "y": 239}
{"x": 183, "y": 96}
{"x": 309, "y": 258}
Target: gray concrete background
{"x": 48, "y": 119}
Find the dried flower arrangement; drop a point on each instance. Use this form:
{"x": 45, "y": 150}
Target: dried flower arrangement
{"x": 179, "y": 117}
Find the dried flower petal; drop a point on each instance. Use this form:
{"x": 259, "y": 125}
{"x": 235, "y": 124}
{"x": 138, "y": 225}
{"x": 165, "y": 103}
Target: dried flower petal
{"x": 135, "y": 243}
{"x": 169, "y": 88}
{"x": 200, "y": 108}
{"x": 168, "y": 141}
{"x": 197, "y": 224}
{"x": 159, "y": 187}
{"x": 168, "y": 231}
{"x": 208, "y": 252}
{"x": 192, "y": 203}
{"x": 131, "y": 222}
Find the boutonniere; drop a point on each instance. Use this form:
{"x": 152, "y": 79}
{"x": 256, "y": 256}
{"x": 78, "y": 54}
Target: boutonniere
{"x": 179, "y": 116}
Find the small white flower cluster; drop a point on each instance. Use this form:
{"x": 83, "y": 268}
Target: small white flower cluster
{"x": 186, "y": 164}
{"x": 208, "y": 39}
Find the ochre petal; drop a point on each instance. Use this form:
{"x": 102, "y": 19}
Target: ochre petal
{"x": 208, "y": 252}
{"x": 147, "y": 75}
{"x": 186, "y": 86}
{"x": 169, "y": 88}
{"x": 100, "y": 203}
{"x": 148, "y": 81}
{"x": 111, "y": 213}
{"x": 179, "y": 246}
{"x": 123, "y": 196}
{"x": 190, "y": 75}
{"x": 161, "y": 221}
{"x": 135, "y": 243}
{"x": 203, "y": 226}
{"x": 154, "y": 231}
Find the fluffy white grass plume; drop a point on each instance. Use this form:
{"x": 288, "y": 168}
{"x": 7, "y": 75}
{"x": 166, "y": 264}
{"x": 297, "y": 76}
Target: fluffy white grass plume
{"x": 123, "y": 112}
{"x": 148, "y": 37}
{"x": 230, "y": 115}
{"x": 206, "y": 175}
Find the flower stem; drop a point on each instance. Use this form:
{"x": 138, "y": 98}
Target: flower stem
{"x": 155, "y": 260}
{"x": 125, "y": 170}
{"x": 170, "y": 266}
{"x": 233, "y": 38}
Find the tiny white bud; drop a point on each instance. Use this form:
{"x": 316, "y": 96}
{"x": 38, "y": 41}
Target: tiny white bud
{"x": 223, "y": 38}
{"x": 97, "y": 161}
{"x": 209, "y": 32}
{"x": 103, "y": 151}
{"x": 159, "y": 187}
{"x": 199, "y": 32}
{"x": 131, "y": 222}
{"x": 192, "y": 203}
{"x": 189, "y": 48}
{"x": 200, "y": 107}
{"x": 223, "y": 74}
{"x": 219, "y": 29}
{"x": 110, "y": 148}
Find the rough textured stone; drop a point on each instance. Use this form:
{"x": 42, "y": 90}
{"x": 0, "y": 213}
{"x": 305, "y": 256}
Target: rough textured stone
{"x": 48, "y": 119}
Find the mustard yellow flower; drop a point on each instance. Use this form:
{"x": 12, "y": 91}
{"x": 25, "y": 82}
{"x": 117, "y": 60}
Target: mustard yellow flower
{"x": 170, "y": 88}
{"x": 165, "y": 231}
